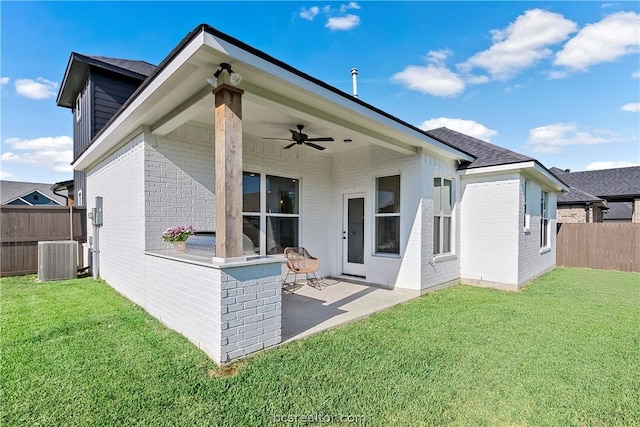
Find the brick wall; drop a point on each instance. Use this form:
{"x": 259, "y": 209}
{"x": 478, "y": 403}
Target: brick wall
{"x": 179, "y": 182}
{"x": 251, "y": 303}
{"x": 313, "y": 170}
{"x": 356, "y": 171}
{"x": 119, "y": 179}
{"x": 635, "y": 217}
{"x": 489, "y": 229}
{"x": 578, "y": 214}
{"x": 228, "y": 312}
{"x": 445, "y": 268}
{"x": 534, "y": 260}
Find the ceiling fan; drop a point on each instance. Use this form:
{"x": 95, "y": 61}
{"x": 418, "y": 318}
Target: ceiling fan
{"x": 300, "y": 138}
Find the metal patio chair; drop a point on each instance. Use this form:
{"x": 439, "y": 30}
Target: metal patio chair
{"x": 299, "y": 261}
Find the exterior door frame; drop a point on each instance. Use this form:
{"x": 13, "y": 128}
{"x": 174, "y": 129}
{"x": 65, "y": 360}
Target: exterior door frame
{"x": 354, "y": 268}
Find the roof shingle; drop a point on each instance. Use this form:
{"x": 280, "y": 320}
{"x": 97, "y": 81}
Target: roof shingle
{"x": 617, "y": 183}
{"x": 485, "y": 153}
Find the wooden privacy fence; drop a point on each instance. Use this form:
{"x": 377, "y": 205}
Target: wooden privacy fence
{"x": 22, "y": 227}
{"x": 603, "y": 246}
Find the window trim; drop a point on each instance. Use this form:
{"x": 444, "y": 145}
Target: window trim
{"x": 526, "y": 224}
{"x": 79, "y": 107}
{"x": 440, "y": 252}
{"x": 545, "y": 221}
{"x": 377, "y": 215}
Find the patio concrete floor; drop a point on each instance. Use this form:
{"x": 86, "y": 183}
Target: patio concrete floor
{"x": 309, "y": 310}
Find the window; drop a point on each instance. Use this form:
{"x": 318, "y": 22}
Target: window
{"x": 526, "y": 222}
{"x": 271, "y": 212}
{"x": 251, "y": 208}
{"x": 442, "y": 209}
{"x": 544, "y": 219}
{"x": 388, "y": 215}
{"x": 78, "y": 107}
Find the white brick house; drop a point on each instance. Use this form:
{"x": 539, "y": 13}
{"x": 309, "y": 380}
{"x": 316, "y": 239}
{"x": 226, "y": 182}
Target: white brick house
{"x": 385, "y": 202}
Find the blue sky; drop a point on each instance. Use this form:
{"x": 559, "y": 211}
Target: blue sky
{"x": 558, "y": 81}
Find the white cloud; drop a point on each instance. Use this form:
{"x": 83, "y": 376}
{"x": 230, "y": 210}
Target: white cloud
{"x": 346, "y": 22}
{"x": 553, "y": 137}
{"x": 469, "y": 127}
{"x": 636, "y": 75}
{"x": 522, "y": 44}
{"x": 609, "y": 165}
{"x": 49, "y": 153}
{"x": 350, "y": 5}
{"x": 310, "y": 13}
{"x": 476, "y": 80}
{"x": 4, "y": 81}
{"x": 36, "y": 89}
{"x": 438, "y": 57}
{"x": 554, "y": 75}
{"x": 632, "y": 106}
{"x": 434, "y": 80}
{"x": 605, "y": 41}
{"x": 49, "y": 142}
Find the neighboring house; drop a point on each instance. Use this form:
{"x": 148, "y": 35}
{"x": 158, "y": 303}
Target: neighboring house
{"x": 385, "y": 202}
{"x": 17, "y": 193}
{"x": 606, "y": 195}
{"x": 95, "y": 88}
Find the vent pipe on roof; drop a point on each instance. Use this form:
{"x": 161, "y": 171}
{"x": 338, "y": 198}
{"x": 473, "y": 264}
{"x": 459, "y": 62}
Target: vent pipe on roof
{"x": 354, "y": 77}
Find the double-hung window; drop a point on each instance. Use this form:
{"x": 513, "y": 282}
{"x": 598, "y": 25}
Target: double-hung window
{"x": 442, "y": 210}
{"x": 544, "y": 219}
{"x": 388, "y": 215}
{"x": 271, "y": 212}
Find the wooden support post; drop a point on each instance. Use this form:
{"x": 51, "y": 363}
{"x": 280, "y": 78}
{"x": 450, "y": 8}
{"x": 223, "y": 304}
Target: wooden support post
{"x": 228, "y": 164}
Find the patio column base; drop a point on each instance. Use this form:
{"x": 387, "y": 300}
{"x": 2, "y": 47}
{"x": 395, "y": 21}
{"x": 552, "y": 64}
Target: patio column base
{"x": 251, "y": 308}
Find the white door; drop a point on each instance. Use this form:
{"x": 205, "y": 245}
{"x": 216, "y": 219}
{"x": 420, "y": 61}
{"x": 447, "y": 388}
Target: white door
{"x": 353, "y": 227}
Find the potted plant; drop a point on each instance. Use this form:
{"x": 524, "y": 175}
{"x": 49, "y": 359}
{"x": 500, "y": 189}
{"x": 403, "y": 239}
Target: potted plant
{"x": 178, "y": 237}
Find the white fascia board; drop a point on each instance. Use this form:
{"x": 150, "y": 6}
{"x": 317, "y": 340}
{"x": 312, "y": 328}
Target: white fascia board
{"x": 330, "y": 101}
{"x": 117, "y": 129}
{"x": 531, "y": 169}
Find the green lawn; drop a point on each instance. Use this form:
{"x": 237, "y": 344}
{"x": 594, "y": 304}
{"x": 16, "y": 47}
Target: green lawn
{"x": 565, "y": 351}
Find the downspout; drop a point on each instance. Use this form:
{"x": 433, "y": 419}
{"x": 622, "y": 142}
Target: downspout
{"x": 55, "y": 188}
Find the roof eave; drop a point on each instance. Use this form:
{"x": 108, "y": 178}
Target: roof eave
{"x": 204, "y": 35}
{"x": 532, "y": 167}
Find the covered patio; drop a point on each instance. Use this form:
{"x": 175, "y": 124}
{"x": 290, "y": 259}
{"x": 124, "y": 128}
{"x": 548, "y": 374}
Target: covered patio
{"x": 309, "y": 310}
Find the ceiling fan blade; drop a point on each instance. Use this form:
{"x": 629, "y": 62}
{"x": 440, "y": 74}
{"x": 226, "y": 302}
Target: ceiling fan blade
{"x": 279, "y": 139}
{"x": 290, "y": 145}
{"x": 326, "y": 139}
{"x": 317, "y": 147}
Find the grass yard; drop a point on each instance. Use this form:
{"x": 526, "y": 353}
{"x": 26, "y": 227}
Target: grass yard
{"x": 565, "y": 351}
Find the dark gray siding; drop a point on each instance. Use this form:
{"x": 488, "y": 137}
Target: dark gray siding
{"x": 79, "y": 184}
{"x": 82, "y": 126}
{"x": 102, "y": 96}
{"x": 109, "y": 93}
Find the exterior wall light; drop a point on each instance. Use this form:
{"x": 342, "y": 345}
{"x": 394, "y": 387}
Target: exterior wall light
{"x": 234, "y": 78}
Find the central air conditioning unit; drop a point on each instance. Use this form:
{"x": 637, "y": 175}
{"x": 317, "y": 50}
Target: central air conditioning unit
{"x": 57, "y": 260}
